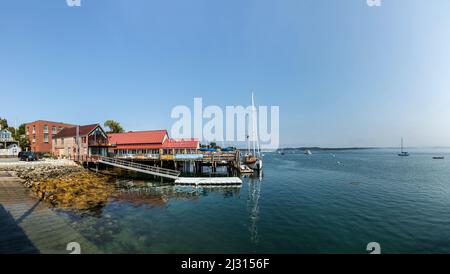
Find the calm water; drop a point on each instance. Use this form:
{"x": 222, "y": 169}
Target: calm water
{"x": 324, "y": 203}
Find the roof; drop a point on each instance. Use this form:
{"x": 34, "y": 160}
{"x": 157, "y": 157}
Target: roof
{"x": 50, "y": 122}
{"x": 181, "y": 143}
{"x": 72, "y": 131}
{"x": 156, "y": 137}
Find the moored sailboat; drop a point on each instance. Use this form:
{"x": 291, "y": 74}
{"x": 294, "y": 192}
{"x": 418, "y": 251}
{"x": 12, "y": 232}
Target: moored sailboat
{"x": 402, "y": 152}
{"x": 253, "y": 159}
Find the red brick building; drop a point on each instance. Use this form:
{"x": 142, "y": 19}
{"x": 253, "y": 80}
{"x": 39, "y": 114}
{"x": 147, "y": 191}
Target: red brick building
{"x": 41, "y": 133}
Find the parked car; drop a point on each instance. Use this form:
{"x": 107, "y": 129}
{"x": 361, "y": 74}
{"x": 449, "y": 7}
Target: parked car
{"x": 20, "y": 154}
{"x": 29, "y": 156}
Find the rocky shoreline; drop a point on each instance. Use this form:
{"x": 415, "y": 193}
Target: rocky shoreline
{"x": 63, "y": 183}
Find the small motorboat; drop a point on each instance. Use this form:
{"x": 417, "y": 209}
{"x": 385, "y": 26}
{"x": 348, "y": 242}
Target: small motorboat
{"x": 246, "y": 170}
{"x": 308, "y": 152}
{"x": 439, "y": 158}
{"x": 250, "y": 159}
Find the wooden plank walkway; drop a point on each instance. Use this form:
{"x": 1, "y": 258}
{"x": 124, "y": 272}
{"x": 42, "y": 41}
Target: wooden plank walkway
{"x": 28, "y": 225}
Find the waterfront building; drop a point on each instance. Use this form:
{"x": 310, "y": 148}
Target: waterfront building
{"x": 151, "y": 145}
{"x": 41, "y": 134}
{"x": 81, "y": 142}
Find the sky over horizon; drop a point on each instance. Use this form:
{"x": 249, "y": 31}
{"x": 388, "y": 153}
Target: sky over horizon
{"x": 343, "y": 74}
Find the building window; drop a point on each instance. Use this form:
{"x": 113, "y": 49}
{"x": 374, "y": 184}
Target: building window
{"x": 34, "y": 138}
{"x": 27, "y": 132}
{"x": 45, "y": 137}
{"x": 53, "y": 130}
{"x": 34, "y": 129}
{"x": 45, "y": 129}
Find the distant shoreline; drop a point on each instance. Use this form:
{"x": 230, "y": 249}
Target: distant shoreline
{"x": 351, "y": 148}
{"x": 325, "y": 148}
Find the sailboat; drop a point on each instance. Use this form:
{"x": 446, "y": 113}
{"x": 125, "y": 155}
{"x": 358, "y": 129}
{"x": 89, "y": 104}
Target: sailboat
{"x": 254, "y": 159}
{"x": 403, "y": 153}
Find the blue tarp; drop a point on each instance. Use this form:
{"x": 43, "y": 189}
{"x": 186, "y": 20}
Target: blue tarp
{"x": 207, "y": 149}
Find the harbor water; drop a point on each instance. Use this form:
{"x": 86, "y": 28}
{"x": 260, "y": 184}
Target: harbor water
{"x": 327, "y": 202}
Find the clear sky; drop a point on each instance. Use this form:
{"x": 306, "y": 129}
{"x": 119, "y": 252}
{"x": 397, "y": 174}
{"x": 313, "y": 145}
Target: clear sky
{"x": 343, "y": 73}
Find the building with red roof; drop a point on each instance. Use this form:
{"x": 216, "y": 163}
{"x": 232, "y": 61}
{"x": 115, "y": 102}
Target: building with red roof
{"x": 151, "y": 144}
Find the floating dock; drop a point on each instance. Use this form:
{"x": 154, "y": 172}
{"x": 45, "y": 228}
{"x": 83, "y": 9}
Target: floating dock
{"x": 208, "y": 181}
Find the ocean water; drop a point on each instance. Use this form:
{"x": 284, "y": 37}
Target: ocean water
{"x": 328, "y": 202}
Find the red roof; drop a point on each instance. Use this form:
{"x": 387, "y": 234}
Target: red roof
{"x": 153, "y": 137}
{"x": 72, "y": 131}
{"x": 181, "y": 143}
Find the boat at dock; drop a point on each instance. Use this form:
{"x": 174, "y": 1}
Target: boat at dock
{"x": 253, "y": 158}
{"x": 402, "y": 152}
{"x": 244, "y": 169}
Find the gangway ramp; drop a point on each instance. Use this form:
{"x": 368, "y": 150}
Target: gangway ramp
{"x": 152, "y": 170}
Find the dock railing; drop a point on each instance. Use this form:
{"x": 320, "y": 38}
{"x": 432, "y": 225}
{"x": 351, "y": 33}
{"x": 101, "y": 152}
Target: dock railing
{"x": 164, "y": 172}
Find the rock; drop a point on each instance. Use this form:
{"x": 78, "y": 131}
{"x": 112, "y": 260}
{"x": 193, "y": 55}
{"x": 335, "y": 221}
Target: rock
{"x": 65, "y": 185}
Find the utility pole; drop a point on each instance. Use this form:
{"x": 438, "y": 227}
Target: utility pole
{"x": 78, "y": 142}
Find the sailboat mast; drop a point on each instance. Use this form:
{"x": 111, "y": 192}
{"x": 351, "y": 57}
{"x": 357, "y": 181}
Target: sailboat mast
{"x": 402, "y": 146}
{"x": 253, "y": 126}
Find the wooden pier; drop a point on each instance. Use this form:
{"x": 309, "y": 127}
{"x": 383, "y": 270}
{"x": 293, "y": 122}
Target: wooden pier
{"x": 147, "y": 169}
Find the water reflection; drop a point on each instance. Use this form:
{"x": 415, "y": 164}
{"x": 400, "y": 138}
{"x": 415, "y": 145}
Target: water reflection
{"x": 140, "y": 193}
{"x": 254, "y": 194}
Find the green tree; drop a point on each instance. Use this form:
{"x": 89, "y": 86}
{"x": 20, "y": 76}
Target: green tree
{"x": 3, "y": 123}
{"x": 20, "y": 136}
{"x": 24, "y": 143}
{"x": 114, "y": 127}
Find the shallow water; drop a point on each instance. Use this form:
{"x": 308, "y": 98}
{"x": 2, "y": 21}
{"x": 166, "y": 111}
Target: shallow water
{"x": 328, "y": 202}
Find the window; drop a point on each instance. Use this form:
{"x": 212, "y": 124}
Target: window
{"x": 45, "y": 129}
{"x": 27, "y": 132}
{"x": 34, "y": 131}
{"x": 34, "y": 138}
{"x": 53, "y": 130}
{"x": 45, "y": 137}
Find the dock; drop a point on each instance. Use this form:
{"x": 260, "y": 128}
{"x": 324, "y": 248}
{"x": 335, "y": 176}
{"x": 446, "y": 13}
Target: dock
{"x": 169, "y": 173}
{"x": 208, "y": 181}
{"x": 29, "y": 226}
{"x": 147, "y": 169}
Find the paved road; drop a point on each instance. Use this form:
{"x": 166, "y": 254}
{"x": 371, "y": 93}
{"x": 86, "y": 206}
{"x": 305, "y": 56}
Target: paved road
{"x": 29, "y": 226}
{"x": 9, "y": 160}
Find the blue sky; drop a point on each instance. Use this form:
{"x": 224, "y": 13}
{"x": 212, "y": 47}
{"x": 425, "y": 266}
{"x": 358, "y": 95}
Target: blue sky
{"x": 343, "y": 73}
